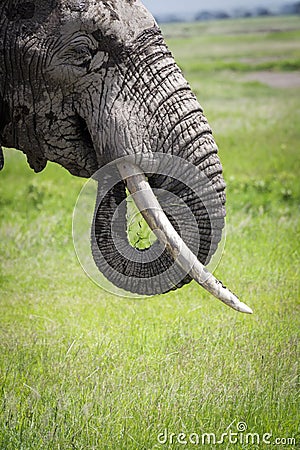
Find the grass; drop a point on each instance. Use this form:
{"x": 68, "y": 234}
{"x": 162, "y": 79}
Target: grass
{"x": 139, "y": 233}
{"x": 83, "y": 369}
{"x": 235, "y": 46}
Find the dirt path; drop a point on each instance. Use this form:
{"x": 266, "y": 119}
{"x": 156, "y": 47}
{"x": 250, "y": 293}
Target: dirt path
{"x": 276, "y": 79}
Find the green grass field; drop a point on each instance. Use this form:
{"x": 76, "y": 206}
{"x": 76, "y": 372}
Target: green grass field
{"x": 83, "y": 369}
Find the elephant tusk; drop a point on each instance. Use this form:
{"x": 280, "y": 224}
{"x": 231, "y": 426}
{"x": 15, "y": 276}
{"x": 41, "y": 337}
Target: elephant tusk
{"x": 155, "y": 217}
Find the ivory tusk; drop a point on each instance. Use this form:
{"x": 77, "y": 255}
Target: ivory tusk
{"x": 155, "y": 217}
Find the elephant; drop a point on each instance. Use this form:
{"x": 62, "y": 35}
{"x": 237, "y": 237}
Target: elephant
{"x": 90, "y": 83}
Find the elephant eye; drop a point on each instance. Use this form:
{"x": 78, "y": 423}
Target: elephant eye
{"x": 23, "y": 11}
{"x": 77, "y": 55}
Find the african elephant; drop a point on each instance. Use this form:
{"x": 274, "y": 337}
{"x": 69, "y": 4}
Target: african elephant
{"x": 86, "y": 82}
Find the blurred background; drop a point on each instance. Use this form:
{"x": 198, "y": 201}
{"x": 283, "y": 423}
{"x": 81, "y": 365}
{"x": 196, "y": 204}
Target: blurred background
{"x": 169, "y": 10}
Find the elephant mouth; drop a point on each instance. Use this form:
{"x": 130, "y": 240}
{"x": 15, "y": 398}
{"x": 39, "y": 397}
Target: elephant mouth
{"x": 84, "y": 133}
{"x": 169, "y": 263}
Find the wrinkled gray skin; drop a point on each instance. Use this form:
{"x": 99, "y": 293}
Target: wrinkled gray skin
{"x": 83, "y": 82}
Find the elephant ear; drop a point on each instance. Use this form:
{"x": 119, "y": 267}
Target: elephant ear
{"x": 1, "y": 158}
{"x": 5, "y": 115}
{"x": 4, "y": 120}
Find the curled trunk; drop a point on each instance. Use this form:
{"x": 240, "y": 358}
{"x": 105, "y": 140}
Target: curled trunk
{"x": 193, "y": 206}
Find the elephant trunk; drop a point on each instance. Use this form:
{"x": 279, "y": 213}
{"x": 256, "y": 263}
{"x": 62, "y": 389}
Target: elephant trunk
{"x": 157, "y": 113}
{"x": 193, "y": 201}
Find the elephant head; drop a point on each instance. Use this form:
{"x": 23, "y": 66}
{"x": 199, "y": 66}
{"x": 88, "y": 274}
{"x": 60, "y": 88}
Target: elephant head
{"x": 84, "y": 83}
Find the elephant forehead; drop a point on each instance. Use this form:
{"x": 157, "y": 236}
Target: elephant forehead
{"x": 121, "y": 19}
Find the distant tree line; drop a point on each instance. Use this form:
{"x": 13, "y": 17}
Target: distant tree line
{"x": 287, "y": 9}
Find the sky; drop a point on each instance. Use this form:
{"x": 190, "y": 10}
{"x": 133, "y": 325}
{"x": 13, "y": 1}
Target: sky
{"x": 191, "y": 6}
